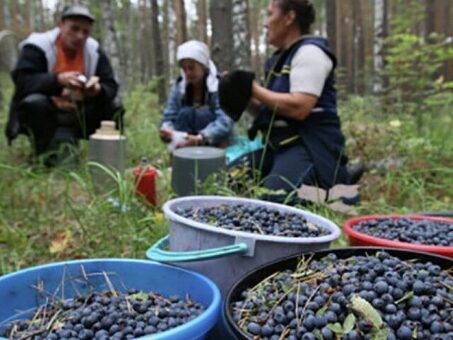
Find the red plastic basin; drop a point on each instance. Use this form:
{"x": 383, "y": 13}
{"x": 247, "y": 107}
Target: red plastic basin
{"x": 360, "y": 239}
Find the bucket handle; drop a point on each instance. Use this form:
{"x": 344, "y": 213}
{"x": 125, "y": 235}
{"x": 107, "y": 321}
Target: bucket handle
{"x": 157, "y": 252}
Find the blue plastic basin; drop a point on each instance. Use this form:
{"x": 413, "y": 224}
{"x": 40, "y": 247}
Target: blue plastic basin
{"x": 17, "y": 292}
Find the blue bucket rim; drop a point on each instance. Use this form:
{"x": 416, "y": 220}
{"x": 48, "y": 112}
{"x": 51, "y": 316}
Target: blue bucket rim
{"x": 213, "y": 308}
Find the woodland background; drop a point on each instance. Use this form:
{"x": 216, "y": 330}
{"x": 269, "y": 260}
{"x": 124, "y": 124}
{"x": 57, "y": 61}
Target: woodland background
{"x": 395, "y": 85}
{"x": 141, "y": 36}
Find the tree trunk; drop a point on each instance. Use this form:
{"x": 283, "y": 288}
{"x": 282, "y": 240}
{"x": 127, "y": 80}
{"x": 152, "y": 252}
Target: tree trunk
{"x": 158, "y": 53}
{"x": 348, "y": 46}
{"x": 168, "y": 64}
{"x": 130, "y": 43}
{"x": 359, "y": 52}
{"x": 28, "y": 17}
{"x": 254, "y": 19}
{"x": 241, "y": 35}
{"x": 202, "y": 21}
{"x": 15, "y": 25}
{"x": 146, "y": 64}
{"x": 169, "y": 24}
{"x": 7, "y": 14}
{"x": 380, "y": 9}
{"x": 331, "y": 10}
{"x": 448, "y": 28}
{"x": 222, "y": 40}
{"x": 2, "y": 16}
{"x": 42, "y": 19}
{"x": 181, "y": 21}
{"x": 430, "y": 17}
{"x": 111, "y": 42}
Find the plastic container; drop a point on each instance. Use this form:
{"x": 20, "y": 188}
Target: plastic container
{"x": 192, "y": 165}
{"x": 254, "y": 277}
{"x": 224, "y": 255}
{"x": 360, "y": 239}
{"x": 17, "y": 292}
{"x": 145, "y": 177}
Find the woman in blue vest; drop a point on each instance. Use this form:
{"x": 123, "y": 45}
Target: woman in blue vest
{"x": 296, "y": 109}
{"x": 193, "y": 115}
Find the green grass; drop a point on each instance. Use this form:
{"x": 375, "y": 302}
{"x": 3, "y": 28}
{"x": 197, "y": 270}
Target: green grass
{"x": 50, "y": 215}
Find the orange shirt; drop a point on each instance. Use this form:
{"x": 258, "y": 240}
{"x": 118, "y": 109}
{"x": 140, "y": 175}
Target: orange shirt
{"x": 65, "y": 63}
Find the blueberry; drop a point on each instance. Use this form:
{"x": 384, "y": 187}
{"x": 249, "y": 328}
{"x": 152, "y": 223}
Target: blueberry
{"x": 381, "y": 287}
{"x": 418, "y": 287}
{"x": 436, "y": 327}
{"x": 404, "y": 333}
{"x": 320, "y": 321}
{"x": 254, "y": 328}
{"x": 414, "y": 313}
{"x": 150, "y": 330}
{"x": 353, "y": 335}
{"x": 327, "y": 334}
{"x": 391, "y": 309}
{"x": 308, "y": 336}
{"x": 310, "y": 322}
{"x": 267, "y": 330}
{"x": 86, "y": 334}
{"x": 348, "y": 289}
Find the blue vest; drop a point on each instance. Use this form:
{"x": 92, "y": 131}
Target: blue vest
{"x": 320, "y": 133}
{"x": 277, "y": 71}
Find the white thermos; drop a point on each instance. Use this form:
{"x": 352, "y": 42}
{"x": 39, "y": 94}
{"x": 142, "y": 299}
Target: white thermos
{"x": 108, "y": 148}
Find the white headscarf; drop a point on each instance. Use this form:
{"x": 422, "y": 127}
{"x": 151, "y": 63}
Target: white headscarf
{"x": 198, "y": 51}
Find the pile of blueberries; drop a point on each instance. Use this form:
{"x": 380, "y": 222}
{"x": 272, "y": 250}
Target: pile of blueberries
{"x": 254, "y": 219}
{"x": 413, "y": 300}
{"x": 408, "y": 230}
{"x": 107, "y": 315}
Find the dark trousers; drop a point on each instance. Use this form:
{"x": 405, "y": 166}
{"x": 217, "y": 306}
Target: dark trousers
{"x": 284, "y": 169}
{"x": 45, "y": 124}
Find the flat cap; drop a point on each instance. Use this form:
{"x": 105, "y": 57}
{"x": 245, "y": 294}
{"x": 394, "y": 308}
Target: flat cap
{"x": 77, "y": 11}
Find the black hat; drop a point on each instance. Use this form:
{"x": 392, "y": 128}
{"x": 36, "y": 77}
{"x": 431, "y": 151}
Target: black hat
{"x": 235, "y": 91}
{"x": 77, "y": 11}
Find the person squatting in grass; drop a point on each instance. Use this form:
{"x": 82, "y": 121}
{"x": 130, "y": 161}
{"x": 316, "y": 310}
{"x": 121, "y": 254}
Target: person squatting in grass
{"x": 64, "y": 86}
{"x": 193, "y": 115}
{"x": 295, "y": 109}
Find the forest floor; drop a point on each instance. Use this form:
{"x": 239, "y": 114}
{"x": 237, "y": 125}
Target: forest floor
{"x": 56, "y": 214}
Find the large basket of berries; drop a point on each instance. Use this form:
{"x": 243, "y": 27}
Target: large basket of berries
{"x": 350, "y": 293}
{"x": 107, "y": 299}
{"x": 225, "y": 237}
{"x": 412, "y": 232}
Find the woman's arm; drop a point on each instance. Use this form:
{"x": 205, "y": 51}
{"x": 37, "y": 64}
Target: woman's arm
{"x": 294, "y": 105}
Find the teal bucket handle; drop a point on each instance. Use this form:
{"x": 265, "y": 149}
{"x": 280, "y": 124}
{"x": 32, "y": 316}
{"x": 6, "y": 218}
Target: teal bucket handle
{"x": 157, "y": 252}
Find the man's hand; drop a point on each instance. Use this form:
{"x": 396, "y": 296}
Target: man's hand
{"x": 70, "y": 80}
{"x": 64, "y": 104}
{"x": 92, "y": 91}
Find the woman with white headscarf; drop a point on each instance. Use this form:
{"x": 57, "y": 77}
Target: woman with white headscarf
{"x": 193, "y": 106}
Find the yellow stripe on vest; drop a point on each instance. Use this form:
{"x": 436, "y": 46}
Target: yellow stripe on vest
{"x": 289, "y": 140}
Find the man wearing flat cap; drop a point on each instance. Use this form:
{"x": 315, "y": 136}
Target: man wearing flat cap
{"x": 64, "y": 86}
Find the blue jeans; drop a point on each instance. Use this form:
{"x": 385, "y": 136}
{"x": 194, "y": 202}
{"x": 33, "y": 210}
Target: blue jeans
{"x": 192, "y": 120}
{"x": 284, "y": 169}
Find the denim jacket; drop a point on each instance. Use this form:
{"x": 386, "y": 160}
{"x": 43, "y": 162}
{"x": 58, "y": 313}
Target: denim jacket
{"x": 208, "y": 119}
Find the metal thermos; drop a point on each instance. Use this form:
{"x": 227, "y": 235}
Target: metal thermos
{"x": 108, "y": 148}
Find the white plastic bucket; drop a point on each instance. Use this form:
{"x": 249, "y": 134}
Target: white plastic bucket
{"x": 224, "y": 255}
